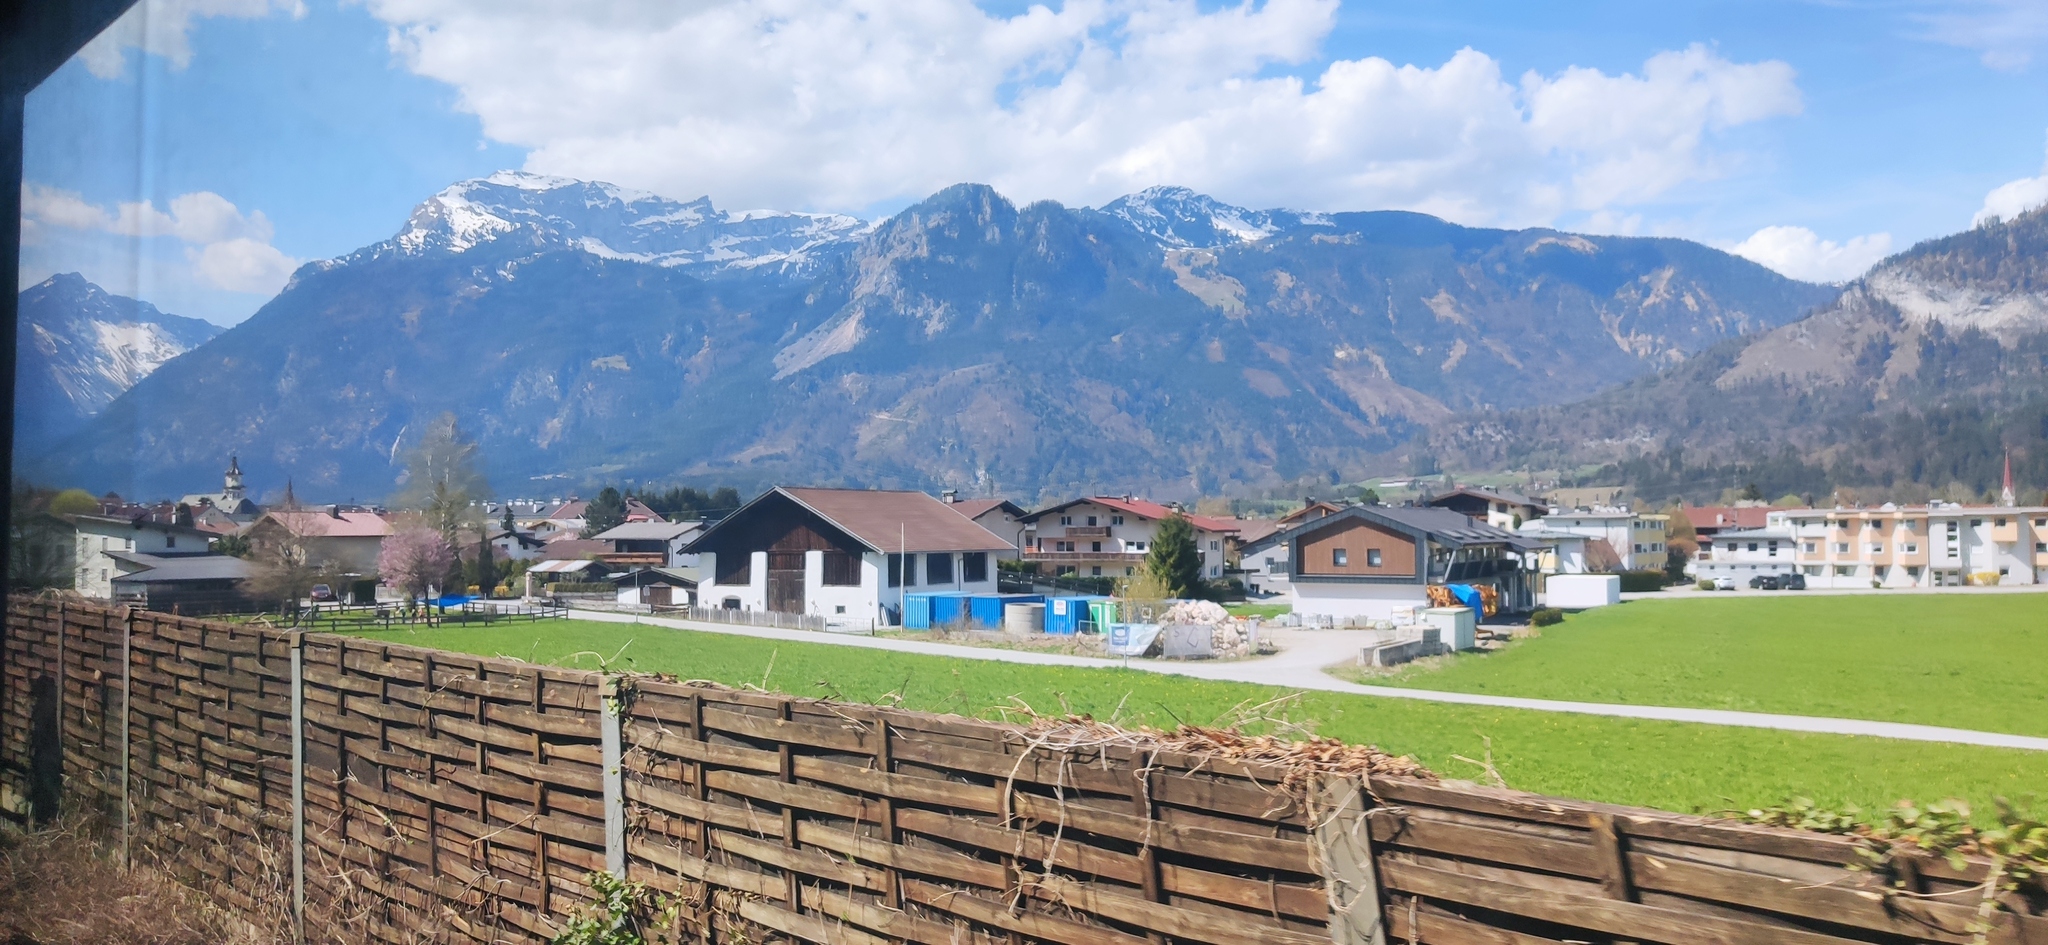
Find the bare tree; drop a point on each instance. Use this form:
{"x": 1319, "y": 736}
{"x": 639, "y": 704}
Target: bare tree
{"x": 442, "y": 480}
{"x": 283, "y": 570}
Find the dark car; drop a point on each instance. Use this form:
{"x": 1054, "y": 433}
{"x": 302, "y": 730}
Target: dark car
{"x": 1792, "y": 582}
{"x": 322, "y": 592}
{"x": 1764, "y": 582}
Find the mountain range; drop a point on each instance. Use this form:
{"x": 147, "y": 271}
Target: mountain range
{"x": 80, "y": 347}
{"x": 1165, "y": 341}
{"x": 1929, "y": 370}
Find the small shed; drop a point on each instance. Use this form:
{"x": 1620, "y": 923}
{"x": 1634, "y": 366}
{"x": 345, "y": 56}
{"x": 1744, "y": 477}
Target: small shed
{"x": 1070, "y": 615}
{"x": 552, "y": 572}
{"x": 656, "y": 587}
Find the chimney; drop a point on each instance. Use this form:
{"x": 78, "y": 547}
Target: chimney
{"x": 1127, "y": 497}
{"x": 334, "y": 510}
{"x": 950, "y": 496}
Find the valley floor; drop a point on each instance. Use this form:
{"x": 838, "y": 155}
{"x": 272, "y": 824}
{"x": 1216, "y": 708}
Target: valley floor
{"x": 1591, "y": 751}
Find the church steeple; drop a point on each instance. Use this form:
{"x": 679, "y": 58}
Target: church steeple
{"x": 2006, "y": 497}
{"x": 231, "y": 484}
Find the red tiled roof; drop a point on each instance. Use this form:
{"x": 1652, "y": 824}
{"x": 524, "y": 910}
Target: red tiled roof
{"x": 571, "y": 509}
{"x": 313, "y": 523}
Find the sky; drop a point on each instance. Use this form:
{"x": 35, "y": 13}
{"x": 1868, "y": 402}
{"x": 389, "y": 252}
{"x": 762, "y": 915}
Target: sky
{"x": 200, "y": 150}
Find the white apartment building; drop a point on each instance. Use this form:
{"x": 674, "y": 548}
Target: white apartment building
{"x": 1745, "y": 553}
{"x": 1937, "y": 545}
{"x": 1637, "y": 539}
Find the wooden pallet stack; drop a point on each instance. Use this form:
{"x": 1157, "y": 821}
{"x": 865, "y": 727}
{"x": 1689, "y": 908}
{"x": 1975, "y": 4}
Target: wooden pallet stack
{"x": 444, "y": 797}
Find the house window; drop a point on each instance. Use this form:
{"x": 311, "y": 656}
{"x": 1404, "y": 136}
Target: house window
{"x": 842, "y": 569}
{"x": 2041, "y": 547}
{"x": 1066, "y": 520}
{"x": 2041, "y": 523}
{"x": 1372, "y": 557}
{"x": 899, "y": 576}
{"x": 1340, "y": 558}
{"x": 1216, "y": 570}
{"x": 1271, "y": 568}
{"x": 974, "y": 567}
{"x": 1812, "y": 570}
{"x": 1137, "y": 546}
{"x": 1063, "y": 546}
{"x": 1841, "y": 547}
{"x": 734, "y": 568}
{"x": 730, "y": 603}
{"x": 1810, "y": 547}
{"x": 171, "y": 541}
{"x": 1116, "y": 520}
{"x": 1976, "y": 523}
{"x": 1095, "y": 571}
{"x": 1752, "y": 546}
{"x": 1215, "y": 546}
{"x": 1877, "y": 548}
{"x": 1773, "y": 552}
{"x": 839, "y": 608}
{"x": 1845, "y": 570}
{"x": 1095, "y": 546}
{"x": 1998, "y": 522}
{"x": 1091, "y": 521}
{"x": 938, "y": 568}
{"x": 1913, "y": 571}
{"x": 1068, "y": 570}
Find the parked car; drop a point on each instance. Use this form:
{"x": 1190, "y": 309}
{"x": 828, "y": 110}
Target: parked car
{"x": 1764, "y": 582}
{"x": 1792, "y": 582}
{"x": 322, "y": 592}
{"x": 1724, "y": 583}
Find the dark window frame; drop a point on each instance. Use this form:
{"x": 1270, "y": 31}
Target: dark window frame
{"x": 974, "y": 567}
{"x": 938, "y": 567}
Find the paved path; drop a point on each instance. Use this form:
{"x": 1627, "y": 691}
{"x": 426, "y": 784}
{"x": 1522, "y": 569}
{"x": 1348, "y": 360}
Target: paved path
{"x": 1300, "y": 662}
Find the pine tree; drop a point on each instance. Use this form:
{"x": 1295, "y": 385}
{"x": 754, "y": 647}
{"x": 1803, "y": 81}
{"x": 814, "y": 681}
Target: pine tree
{"x": 1175, "y": 563}
{"x": 484, "y": 571}
{"x": 606, "y": 512}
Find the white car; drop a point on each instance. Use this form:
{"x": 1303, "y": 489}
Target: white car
{"x": 1724, "y": 584}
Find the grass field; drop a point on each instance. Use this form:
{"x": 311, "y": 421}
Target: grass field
{"x": 1672, "y": 766}
{"x": 1964, "y": 661}
{"x": 1242, "y": 609}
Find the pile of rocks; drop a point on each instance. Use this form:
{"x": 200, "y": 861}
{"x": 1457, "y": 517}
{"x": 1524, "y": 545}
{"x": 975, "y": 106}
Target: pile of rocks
{"x": 1230, "y": 637}
{"x": 1233, "y": 638}
{"x": 1194, "y": 611}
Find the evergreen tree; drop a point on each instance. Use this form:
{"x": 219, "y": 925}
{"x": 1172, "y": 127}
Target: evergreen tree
{"x": 1175, "y": 563}
{"x": 606, "y": 512}
{"x": 484, "y": 570}
{"x": 509, "y": 523}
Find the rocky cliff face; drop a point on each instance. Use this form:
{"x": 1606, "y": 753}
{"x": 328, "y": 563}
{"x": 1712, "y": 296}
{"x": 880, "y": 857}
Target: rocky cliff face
{"x": 78, "y": 347}
{"x": 1164, "y": 342}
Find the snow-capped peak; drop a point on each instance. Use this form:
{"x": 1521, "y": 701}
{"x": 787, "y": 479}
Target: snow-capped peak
{"x": 538, "y": 211}
{"x": 1180, "y": 218}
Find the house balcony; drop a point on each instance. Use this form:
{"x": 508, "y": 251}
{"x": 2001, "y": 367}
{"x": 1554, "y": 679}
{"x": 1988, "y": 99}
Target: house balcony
{"x": 1087, "y": 531}
{"x": 1092, "y": 557}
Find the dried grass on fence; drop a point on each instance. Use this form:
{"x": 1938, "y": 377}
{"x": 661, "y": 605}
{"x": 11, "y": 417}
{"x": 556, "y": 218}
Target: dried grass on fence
{"x": 64, "y": 885}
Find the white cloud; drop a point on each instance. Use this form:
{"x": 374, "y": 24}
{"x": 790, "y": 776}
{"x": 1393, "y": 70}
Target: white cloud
{"x": 164, "y": 27}
{"x": 227, "y": 249}
{"x": 2013, "y": 198}
{"x": 2005, "y": 33}
{"x": 1800, "y": 253}
{"x": 846, "y": 104}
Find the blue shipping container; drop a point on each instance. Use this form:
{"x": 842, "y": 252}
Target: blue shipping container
{"x": 948, "y": 608}
{"x": 987, "y": 609}
{"x": 917, "y": 611}
{"x": 1068, "y": 615}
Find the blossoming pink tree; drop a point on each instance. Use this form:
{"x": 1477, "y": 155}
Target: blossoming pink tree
{"x": 414, "y": 559}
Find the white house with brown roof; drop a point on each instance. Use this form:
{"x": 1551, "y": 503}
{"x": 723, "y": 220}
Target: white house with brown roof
{"x": 105, "y": 548}
{"x": 847, "y": 555}
{"x": 348, "y": 541}
{"x": 1001, "y": 516}
{"x": 1109, "y": 536}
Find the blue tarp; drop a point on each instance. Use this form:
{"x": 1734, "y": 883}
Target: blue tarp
{"x": 1131, "y": 639}
{"x": 1469, "y": 596}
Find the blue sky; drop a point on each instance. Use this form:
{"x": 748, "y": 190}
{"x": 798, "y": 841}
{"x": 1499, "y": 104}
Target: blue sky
{"x": 261, "y": 134}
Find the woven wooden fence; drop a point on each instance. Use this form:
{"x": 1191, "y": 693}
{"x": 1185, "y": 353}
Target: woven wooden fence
{"x": 439, "y": 797}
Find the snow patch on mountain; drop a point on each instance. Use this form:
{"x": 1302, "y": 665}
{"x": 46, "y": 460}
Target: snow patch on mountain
{"x": 89, "y": 346}
{"x": 1180, "y": 218}
{"x": 617, "y": 223}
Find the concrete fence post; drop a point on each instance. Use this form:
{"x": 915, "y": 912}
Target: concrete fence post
{"x": 614, "y": 776}
{"x": 1345, "y": 840}
{"x": 298, "y": 700}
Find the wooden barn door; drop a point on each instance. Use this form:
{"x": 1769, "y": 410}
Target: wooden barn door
{"x": 786, "y": 582}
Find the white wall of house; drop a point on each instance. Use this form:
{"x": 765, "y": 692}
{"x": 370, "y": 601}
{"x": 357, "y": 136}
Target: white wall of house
{"x": 1266, "y": 571}
{"x": 1345, "y": 599}
{"x": 1746, "y": 554}
{"x": 97, "y": 570}
{"x": 1638, "y": 539}
{"x": 1128, "y": 534}
{"x": 752, "y": 595}
{"x": 857, "y": 603}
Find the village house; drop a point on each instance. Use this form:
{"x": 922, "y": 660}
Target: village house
{"x": 1264, "y": 573}
{"x": 562, "y": 520}
{"x": 1495, "y": 508}
{"x": 1937, "y": 545}
{"x": 1001, "y": 516}
{"x": 345, "y": 540}
{"x": 844, "y": 554}
{"x": 1744, "y": 553}
{"x": 515, "y": 545}
{"x": 1109, "y": 536}
{"x": 105, "y": 548}
{"x": 1367, "y": 561}
{"x": 649, "y": 544}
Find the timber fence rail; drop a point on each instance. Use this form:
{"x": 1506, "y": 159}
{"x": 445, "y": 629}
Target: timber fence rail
{"x": 412, "y": 795}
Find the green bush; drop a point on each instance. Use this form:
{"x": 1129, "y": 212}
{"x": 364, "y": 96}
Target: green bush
{"x": 1645, "y": 580}
{"x": 1706, "y": 584}
{"x": 1546, "y": 616}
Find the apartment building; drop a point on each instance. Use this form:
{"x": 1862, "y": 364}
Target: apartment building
{"x": 1939, "y": 545}
{"x": 1636, "y": 539}
{"x": 1745, "y": 553}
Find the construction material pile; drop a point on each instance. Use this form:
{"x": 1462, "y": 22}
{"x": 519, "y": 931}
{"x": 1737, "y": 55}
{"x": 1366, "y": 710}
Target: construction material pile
{"x": 1230, "y": 637}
